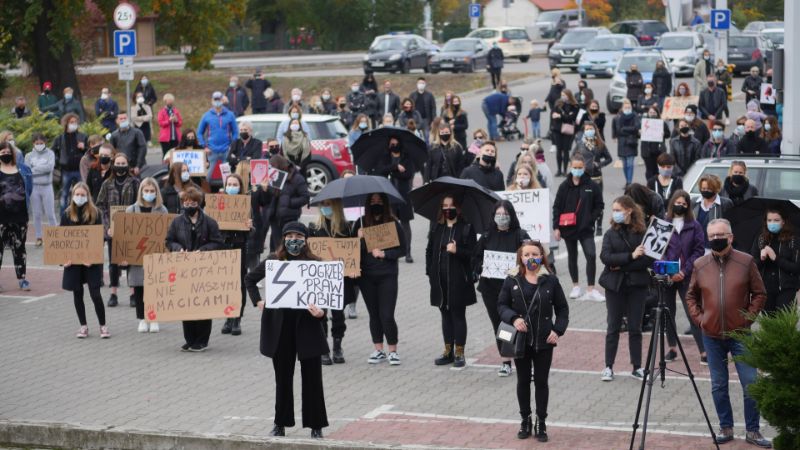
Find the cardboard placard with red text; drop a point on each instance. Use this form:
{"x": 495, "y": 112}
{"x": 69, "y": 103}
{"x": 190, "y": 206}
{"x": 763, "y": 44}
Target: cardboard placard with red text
{"x": 137, "y": 235}
{"x": 230, "y": 211}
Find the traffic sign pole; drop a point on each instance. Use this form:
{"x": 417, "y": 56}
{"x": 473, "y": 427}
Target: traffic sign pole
{"x": 720, "y": 24}
{"x": 474, "y": 15}
{"x": 125, "y": 46}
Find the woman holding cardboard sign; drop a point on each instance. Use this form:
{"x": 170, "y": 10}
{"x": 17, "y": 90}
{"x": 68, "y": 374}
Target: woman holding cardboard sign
{"x": 147, "y": 201}
{"x": 178, "y": 180}
{"x": 378, "y": 280}
{"x": 237, "y": 240}
{"x": 292, "y": 334}
{"x": 81, "y": 211}
{"x": 447, "y": 264}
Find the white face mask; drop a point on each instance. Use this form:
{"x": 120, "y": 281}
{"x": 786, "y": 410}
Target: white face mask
{"x": 232, "y": 84}
{"x": 523, "y": 181}
{"x": 139, "y": 100}
{"x": 79, "y": 200}
{"x": 295, "y": 98}
{"x": 104, "y": 96}
{"x": 73, "y": 127}
{"x": 354, "y": 88}
{"x": 294, "y": 115}
{"x": 144, "y": 82}
{"x": 294, "y": 127}
{"x": 185, "y": 176}
{"x": 39, "y": 147}
{"x": 420, "y": 87}
{"x": 648, "y": 90}
{"x": 326, "y": 97}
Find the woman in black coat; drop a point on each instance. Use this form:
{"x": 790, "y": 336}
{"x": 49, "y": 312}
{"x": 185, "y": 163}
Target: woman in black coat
{"x": 626, "y": 281}
{"x": 777, "y": 255}
{"x": 288, "y": 335}
{"x": 81, "y": 211}
{"x": 737, "y": 186}
{"x": 625, "y": 129}
{"x": 505, "y": 236}
{"x": 457, "y": 118}
{"x": 652, "y": 150}
{"x": 448, "y": 267}
{"x": 533, "y": 302}
{"x": 562, "y": 127}
{"x": 286, "y": 204}
{"x": 399, "y": 167}
{"x": 189, "y": 232}
{"x": 100, "y": 170}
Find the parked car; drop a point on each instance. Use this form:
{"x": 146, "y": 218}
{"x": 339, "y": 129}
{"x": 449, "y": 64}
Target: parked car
{"x": 460, "y": 55}
{"x": 330, "y": 155}
{"x": 397, "y": 53}
{"x": 553, "y": 24}
{"x": 645, "y": 59}
{"x": 567, "y": 51}
{"x": 683, "y": 49}
{"x": 646, "y": 31}
{"x": 602, "y": 54}
{"x": 513, "y": 41}
{"x": 746, "y": 50}
{"x": 773, "y": 38}
{"x": 759, "y": 25}
{"x": 774, "y": 176}
{"x": 708, "y": 34}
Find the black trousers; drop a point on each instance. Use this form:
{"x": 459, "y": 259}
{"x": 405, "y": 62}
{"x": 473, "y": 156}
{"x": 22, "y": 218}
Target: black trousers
{"x": 114, "y": 271}
{"x": 650, "y": 166}
{"x": 599, "y": 224}
{"x": 338, "y": 325}
{"x": 563, "y": 143}
{"x": 380, "y": 296}
{"x": 275, "y": 237}
{"x": 670, "y": 292}
{"x": 540, "y": 362}
{"x": 454, "y": 319}
{"x": 496, "y": 76}
{"x": 589, "y": 252}
{"x": 197, "y": 332}
{"x": 242, "y": 273}
{"x": 167, "y": 146}
{"x": 138, "y": 298}
{"x": 630, "y": 303}
{"x": 313, "y": 396}
{"x": 407, "y": 231}
{"x": 490, "y": 291}
{"x": 80, "y": 308}
{"x": 13, "y": 235}
{"x": 780, "y": 299}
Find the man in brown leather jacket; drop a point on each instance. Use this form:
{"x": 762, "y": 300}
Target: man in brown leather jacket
{"x": 726, "y": 292}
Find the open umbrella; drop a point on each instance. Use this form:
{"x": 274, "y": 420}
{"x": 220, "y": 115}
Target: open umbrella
{"x": 371, "y": 147}
{"x": 477, "y": 203}
{"x": 353, "y": 191}
{"x": 747, "y": 218}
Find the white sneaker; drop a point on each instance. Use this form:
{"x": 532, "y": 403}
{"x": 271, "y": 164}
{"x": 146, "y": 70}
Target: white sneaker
{"x": 575, "y": 292}
{"x": 377, "y": 357}
{"x": 394, "y": 359}
{"x": 154, "y": 327}
{"x": 594, "y": 296}
{"x": 505, "y": 370}
{"x": 143, "y": 326}
{"x": 607, "y": 375}
{"x": 351, "y": 311}
{"x": 638, "y": 374}
{"x": 260, "y": 284}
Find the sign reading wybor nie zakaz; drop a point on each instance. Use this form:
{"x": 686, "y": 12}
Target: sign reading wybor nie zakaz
{"x": 192, "y": 285}
{"x": 296, "y": 284}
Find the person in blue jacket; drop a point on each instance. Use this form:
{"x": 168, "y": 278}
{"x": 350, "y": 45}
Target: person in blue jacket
{"x": 216, "y": 132}
{"x": 493, "y": 105}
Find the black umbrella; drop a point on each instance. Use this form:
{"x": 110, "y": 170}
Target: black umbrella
{"x": 372, "y": 147}
{"x": 747, "y": 218}
{"x": 477, "y": 203}
{"x": 353, "y": 191}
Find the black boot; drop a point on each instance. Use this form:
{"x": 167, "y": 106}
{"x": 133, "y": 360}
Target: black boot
{"x": 112, "y": 301}
{"x": 132, "y": 302}
{"x": 316, "y": 433}
{"x": 541, "y": 430}
{"x": 278, "y": 430}
{"x": 458, "y": 361}
{"x": 525, "y": 428}
{"x": 338, "y": 354}
{"x": 447, "y": 357}
{"x": 236, "y": 327}
{"x": 226, "y": 329}
{"x": 326, "y": 359}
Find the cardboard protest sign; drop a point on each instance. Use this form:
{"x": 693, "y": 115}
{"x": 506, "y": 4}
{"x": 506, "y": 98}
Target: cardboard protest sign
{"x": 277, "y": 178}
{"x": 497, "y": 264}
{"x": 533, "y": 211}
{"x": 192, "y": 285}
{"x": 259, "y": 171}
{"x": 243, "y": 170}
{"x": 347, "y": 250}
{"x": 656, "y": 238}
{"x": 296, "y": 284}
{"x": 381, "y": 236}
{"x": 137, "y": 235}
{"x": 230, "y": 211}
{"x": 674, "y": 107}
{"x": 652, "y": 130}
{"x": 78, "y": 244}
{"x": 195, "y": 160}
{"x": 767, "y": 94}
{"x": 113, "y": 210}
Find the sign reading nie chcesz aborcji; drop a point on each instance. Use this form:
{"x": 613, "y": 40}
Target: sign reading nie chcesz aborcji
{"x": 296, "y": 284}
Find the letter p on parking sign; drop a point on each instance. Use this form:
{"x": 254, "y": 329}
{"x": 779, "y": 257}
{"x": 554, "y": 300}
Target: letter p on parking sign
{"x": 124, "y": 43}
{"x": 720, "y": 19}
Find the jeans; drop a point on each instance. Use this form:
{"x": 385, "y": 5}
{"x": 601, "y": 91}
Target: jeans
{"x": 43, "y": 205}
{"x": 536, "y": 129}
{"x": 491, "y": 122}
{"x": 68, "y": 178}
{"x": 627, "y": 168}
{"x": 589, "y": 252}
{"x": 213, "y": 157}
{"x": 717, "y": 351}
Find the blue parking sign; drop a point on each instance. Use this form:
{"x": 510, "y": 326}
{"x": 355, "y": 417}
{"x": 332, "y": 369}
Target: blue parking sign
{"x": 124, "y": 43}
{"x": 474, "y": 10}
{"x": 720, "y": 19}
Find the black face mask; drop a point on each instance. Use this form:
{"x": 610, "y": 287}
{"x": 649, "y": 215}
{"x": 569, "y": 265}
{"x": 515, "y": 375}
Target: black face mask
{"x": 456, "y": 107}
{"x": 490, "y": 160}
{"x": 450, "y": 213}
{"x": 707, "y": 194}
{"x": 121, "y": 171}
{"x": 711, "y": 84}
{"x": 7, "y": 158}
{"x": 750, "y": 134}
{"x": 738, "y": 179}
{"x": 244, "y": 135}
{"x": 190, "y": 142}
{"x": 444, "y": 137}
{"x": 719, "y": 244}
{"x": 104, "y": 160}
{"x": 376, "y": 210}
{"x": 393, "y": 148}
{"x": 274, "y": 150}
{"x": 190, "y": 211}
{"x": 685, "y": 130}
{"x": 594, "y": 109}
{"x": 679, "y": 210}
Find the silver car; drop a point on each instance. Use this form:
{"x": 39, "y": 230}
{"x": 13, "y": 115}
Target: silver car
{"x": 683, "y": 49}
{"x": 774, "y": 176}
{"x": 645, "y": 61}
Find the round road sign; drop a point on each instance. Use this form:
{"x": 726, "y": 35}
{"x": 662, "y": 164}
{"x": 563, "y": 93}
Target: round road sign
{"x": 124, "y": 16}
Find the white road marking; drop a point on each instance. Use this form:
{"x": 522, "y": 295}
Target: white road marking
{"x": 378, "y": 411}
{"x": 36, "y": 299}
{"x": 597, "y": 372}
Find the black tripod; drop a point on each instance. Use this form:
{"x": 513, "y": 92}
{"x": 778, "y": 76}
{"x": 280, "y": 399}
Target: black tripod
{"x": 663, "y": 324}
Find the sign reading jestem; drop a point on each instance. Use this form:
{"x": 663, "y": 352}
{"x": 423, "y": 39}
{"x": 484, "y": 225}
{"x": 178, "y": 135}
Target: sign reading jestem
{"x": 297, "y": 284}
{"x": 533, "y": 211}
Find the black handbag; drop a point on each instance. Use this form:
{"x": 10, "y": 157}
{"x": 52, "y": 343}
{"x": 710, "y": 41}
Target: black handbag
{"x": 512, "y": 341}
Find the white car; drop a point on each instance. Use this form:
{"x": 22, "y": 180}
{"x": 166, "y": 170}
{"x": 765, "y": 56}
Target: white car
{"x": 683, "y": 49}
{"x": 513, "y": 41}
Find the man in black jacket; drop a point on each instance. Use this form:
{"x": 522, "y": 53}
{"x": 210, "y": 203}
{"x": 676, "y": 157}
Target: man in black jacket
{"x": 662, "y": 80}
{"x": 751, "y": 142}
{"x": 685, "y": 148}
{"x": 425, "y": 103}
{"x": 751, "y": 86}
{"x": 494, "y": 64}
{"x": 257, "y": 85}
{"x": 635, "y": 84}
{"x": 713, "y": 100}
{"x": 245, "y": 148}
{"x": 485, "y": 171}
{"x": 130, "y": 140}
{"x": 578, "y": 204}
{"x": 237, "y": 97}
{"x": 388, "y": 101}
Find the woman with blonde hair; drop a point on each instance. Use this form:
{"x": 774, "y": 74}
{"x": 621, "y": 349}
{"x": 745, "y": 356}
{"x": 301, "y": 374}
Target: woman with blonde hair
{"x": 148, "y": 201}
{"x": 525, "y": 178}
{"x": 78, "y": 212}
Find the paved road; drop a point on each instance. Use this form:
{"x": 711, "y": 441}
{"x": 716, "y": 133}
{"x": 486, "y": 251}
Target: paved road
{"x": 142, "y": 382}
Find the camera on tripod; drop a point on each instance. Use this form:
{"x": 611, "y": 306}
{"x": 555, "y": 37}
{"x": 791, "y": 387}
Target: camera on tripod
{"x": 667, "y": 268}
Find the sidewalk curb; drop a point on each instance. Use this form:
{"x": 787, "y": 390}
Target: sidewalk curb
{"x": 519, "y": 82}
{"x": 69, "y": 436}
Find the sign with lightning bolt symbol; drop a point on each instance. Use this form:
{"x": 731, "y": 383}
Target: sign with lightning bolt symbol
{"x": 277, "y": 281}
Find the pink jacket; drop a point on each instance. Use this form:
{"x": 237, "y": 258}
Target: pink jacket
{"x": 163, "y": 124}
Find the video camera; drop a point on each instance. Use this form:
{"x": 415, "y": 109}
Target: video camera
{"x": 666, "y": 268}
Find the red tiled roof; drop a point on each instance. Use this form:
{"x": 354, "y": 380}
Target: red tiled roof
{"x": 549, "y": 5}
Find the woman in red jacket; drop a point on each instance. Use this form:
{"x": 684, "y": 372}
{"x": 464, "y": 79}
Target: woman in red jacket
{"x": 169, "y": 122}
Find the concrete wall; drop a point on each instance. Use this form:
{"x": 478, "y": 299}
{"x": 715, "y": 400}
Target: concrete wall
{"x": 522, "y": 13}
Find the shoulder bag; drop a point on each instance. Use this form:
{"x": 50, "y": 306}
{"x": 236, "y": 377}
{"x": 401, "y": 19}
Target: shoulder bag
{"x": 569, "y": 219}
